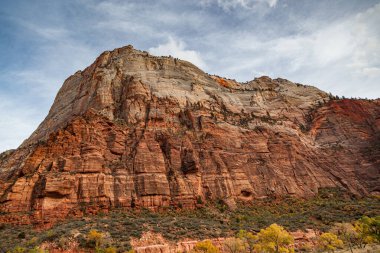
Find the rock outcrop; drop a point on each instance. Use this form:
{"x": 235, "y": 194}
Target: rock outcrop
{"x": 133, "y": 130}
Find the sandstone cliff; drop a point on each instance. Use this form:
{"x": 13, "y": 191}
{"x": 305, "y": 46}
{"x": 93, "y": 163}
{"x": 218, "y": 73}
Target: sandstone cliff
{"x": 133, "y": 130}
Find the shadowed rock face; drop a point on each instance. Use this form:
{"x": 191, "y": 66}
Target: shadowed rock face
{"x": 133, "y": 130}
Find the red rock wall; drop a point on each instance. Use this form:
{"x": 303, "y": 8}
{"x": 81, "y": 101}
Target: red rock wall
{"x": 125, "y": 143}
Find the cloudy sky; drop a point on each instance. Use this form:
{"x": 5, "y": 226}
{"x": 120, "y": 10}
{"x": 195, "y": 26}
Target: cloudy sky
{"x": 334, "y": 45}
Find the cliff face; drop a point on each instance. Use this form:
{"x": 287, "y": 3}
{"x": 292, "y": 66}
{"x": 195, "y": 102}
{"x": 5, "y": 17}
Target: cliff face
{"x": 133, "y": 130}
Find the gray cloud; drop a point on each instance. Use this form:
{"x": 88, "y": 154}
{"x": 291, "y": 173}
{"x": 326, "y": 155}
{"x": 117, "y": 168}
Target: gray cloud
{"x": 247, "y": 4}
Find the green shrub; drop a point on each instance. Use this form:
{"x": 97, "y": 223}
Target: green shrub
{"x": 21, "y": 235}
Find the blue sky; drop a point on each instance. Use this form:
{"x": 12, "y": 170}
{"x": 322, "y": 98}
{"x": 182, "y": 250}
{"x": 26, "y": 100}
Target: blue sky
{"x": 333, "y": 45}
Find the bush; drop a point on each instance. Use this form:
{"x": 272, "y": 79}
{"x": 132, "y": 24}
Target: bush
{"x": 95, "y": 238}
{"x": 21, "y": 235}
{"x": 306, "y": 247}
{"x": 50, "y": 236}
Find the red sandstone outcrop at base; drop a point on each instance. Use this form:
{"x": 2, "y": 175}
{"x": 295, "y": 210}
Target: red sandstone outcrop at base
{"x": 133, "y": 130}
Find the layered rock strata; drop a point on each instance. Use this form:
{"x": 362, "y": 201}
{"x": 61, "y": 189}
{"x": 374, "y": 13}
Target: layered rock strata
{"x": 133, "y": 130}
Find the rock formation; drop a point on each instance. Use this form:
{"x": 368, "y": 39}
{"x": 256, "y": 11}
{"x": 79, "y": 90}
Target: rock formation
{"x": 133, "y": 130}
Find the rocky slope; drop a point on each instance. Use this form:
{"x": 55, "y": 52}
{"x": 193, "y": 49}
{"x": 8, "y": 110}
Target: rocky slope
{"x": 133, "y": 130}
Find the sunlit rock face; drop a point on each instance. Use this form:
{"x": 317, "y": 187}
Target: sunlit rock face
{"x": 137, "y": 131}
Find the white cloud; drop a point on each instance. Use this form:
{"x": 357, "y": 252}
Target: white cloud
{"x": 247, "y": 4}
{"x": 271, "y": 3}
{"x": 177, "y": 48}
{"x": 342, "y": 57}
{"x": 353, "y": 43}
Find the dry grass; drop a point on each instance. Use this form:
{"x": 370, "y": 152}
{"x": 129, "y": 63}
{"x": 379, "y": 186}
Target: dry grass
{"x": 368, "y": 249}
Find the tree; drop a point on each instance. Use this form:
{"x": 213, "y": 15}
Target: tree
{"x": 234, "y": 245}
{"x": 368, "y": 230}
{"x": 37, "y": 250}
{"x": 372, "y": 227}
{"x": 347, "y": 233}
{"x": 375, "y": 228}
{"x": 18, "y": 249}
{"x": 205, "y": 247}
{"x": 110, "y": 250}
{"x": 274, "y": 239}
{"x": 248, "y": 239}
{"x": 95, "y": 237}
{"x": 329, "y": 242}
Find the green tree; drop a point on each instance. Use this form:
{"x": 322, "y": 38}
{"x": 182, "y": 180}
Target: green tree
{"x": 274, "y": 239}
{"x": 329, "y": 242}
{"x": 205, "y": 247}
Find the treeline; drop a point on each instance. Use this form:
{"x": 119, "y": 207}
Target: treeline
{"x": 272, "y": 239}
{"x": 275, "y": 239}
{"x": 336, "y": 97}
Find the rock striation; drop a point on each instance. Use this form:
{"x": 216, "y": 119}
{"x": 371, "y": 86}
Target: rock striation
{"x": 137, "y": 131}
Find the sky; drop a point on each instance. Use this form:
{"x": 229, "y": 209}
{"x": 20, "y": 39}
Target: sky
{"x": 331, "y": 44}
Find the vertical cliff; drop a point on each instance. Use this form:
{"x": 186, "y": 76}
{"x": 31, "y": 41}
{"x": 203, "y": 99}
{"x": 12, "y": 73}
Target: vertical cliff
{"x": 133, "y": 130}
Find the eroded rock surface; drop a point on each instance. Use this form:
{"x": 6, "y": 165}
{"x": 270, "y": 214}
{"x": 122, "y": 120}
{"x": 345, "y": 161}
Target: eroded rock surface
{"x": 133, "y": 130}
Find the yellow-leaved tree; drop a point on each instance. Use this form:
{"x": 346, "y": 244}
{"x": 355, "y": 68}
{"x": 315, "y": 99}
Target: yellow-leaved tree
{"x": 368, "y": 230}
{"x": 274, "y": 239}
{"x": 95, "y": 237}
{"x": 248, "y": 239}
{"x": 329, "y": 242}
{"x": 205, "y": 247}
